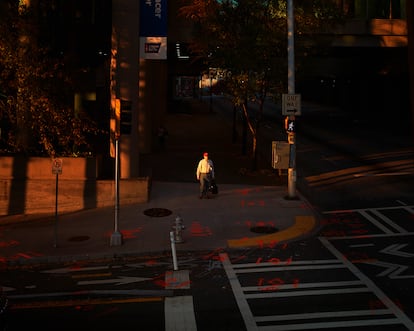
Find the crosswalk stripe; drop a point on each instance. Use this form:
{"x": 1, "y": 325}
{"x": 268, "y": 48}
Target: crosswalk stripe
{"x": 179, "y": 314}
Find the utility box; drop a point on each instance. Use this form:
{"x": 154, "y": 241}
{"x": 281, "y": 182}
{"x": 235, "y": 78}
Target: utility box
{"x": 280, "y": 154}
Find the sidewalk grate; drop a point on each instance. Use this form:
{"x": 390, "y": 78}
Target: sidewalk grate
{"x": 264, "y": 229}
{"x": 157, "y": 212}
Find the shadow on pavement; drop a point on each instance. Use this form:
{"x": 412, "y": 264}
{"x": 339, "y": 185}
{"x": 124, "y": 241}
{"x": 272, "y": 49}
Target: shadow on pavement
{"x": 195, "y": 130}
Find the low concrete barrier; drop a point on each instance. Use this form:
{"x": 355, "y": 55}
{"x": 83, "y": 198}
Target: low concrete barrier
{"x": 28, "y": 186}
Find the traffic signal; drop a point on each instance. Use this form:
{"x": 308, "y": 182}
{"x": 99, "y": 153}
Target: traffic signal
{"x": 126, "y": 117}
{"x": 290, "y": 125}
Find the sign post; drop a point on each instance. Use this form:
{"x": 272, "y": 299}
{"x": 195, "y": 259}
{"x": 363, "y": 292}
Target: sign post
{"x": 116, "y": 238}
{"x": 56, "y": 170}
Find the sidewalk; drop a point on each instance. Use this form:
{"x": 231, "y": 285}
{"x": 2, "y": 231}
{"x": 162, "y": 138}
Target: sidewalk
{"x": 246, "y": 201}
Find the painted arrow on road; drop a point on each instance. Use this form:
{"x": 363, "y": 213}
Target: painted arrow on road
{"x": 122, "y": 280}
{"x": 77, "y": 269}
{"x": 393, "y": 271}
{"x": 395, "y": 249}
{"x": 6, "y": 289}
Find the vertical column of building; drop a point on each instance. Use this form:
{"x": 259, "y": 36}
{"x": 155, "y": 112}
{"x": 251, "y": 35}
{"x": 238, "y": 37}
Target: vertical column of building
{"x": 153, "y": 69}
{"x": 125, "y": 81}
{"x": 138, "y": 76}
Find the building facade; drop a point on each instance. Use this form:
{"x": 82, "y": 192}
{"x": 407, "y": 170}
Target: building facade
{"x": 364, "y": 71}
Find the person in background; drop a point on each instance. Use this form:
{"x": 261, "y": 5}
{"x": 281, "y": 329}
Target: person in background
{"x": 205, "y": 173}
{"x": 162, "y": 135}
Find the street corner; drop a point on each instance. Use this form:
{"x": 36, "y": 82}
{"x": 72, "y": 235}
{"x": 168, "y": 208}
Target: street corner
{"x": 302, "y": 226}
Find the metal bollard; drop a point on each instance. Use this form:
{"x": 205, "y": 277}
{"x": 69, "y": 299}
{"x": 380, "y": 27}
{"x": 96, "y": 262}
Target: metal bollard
{"x": 173, "y": 250}
{"x": 178, "y": 228}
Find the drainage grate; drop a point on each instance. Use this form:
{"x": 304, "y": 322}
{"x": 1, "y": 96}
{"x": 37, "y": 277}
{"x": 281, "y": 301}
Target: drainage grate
{"x": 79, "y": 238}
{"x": 157, "y": 212}
{"x": 263, "y": 229}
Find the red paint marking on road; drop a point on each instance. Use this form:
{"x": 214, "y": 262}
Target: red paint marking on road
{"x": 296, "y": 283}
{"x": 127, "y": 234}
{"x": 131, "y": 233}
{"x": 243, "y": 191}
{"x": 25, "y": 255}
{"x": 378, "y": 304}
{"x": 151, "y": 262}
{"x": 274, "y": 283}
{"x": 252, "y": 203}
{"x": 9, "y": 243}
{"x": 197, "y": 230}
{"x": 213, "y": 255}
{"x": 274, "y": 260}
{"x": 237, "y": 259}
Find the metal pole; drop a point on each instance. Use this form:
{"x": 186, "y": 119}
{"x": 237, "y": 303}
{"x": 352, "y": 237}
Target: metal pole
{"x": 116, "y": 184}
{"x": 116, "y": 238}
{"x": 211, "y": 90}
{"x": 56, "y": 209}
{"x": 173, "y": 251}
{"x": 291, "y": 90}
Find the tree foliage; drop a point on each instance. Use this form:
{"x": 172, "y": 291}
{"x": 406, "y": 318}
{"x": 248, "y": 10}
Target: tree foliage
{"x": 36, "y": 111}
{"x": 247, "y": 39}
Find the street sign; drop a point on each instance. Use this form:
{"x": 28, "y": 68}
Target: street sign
{"x": 57, "y": 166}
{"x": 291, "y": 104}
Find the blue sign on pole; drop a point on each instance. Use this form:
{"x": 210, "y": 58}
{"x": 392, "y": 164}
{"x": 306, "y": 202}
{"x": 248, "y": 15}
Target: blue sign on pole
{"x": 153, "y": 29}
{"x": 153, "y": 18}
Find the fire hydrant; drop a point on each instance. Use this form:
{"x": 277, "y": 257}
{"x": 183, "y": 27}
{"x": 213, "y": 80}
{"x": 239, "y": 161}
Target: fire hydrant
{"x": 178, "y": 228}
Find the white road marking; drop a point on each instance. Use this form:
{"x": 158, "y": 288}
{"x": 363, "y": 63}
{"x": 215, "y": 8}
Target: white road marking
{"x": 375, "y": 222}
{"x": 246, "y": 296}
{"x": 121, "y": 280}
{"x": 242, "y": 303}
{"x": 329, "y": 314}
{"x": 339, "y": 211}
{"x": 395, "y": 249}
{"x": 362, "y": 245}
{"x": 83, "y": 269}
{"x": 299, "y": 286}
{"x": 388, "y": 221}
{"x": 393, "y": 270}
{"x": 403, "y": 319}
{"x": 179, "y": 314}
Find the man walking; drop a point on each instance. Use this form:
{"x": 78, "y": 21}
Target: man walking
{"x": 205, "y": 173}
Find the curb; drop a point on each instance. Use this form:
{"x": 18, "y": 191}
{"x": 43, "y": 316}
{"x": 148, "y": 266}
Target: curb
{"x": 303, "y": 225}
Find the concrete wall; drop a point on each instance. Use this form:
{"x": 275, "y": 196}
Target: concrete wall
{"x": 27, "y": 186}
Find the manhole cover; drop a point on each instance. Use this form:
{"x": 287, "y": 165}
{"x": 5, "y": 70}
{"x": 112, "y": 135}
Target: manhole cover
{"x": 157, "y": 212}
{"x": 263, "y": 229}
{"x": 79, "y": 238}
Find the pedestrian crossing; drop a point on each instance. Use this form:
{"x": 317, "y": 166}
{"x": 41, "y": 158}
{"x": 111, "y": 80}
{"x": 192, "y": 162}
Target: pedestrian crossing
{"x": 368, "y": 221}
{"x": 179, "y": 310}
{"x": 318, "y": 302}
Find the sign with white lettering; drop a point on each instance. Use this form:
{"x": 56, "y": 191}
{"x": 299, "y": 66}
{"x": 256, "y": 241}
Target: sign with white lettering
{"x": 153, "y": 29}
{"x": 153, "y": 18}
{"x": 291, "y": 104}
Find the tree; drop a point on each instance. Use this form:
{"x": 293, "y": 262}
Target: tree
{"x": 247, "y": 39}
{"x": 35, "y": 109}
